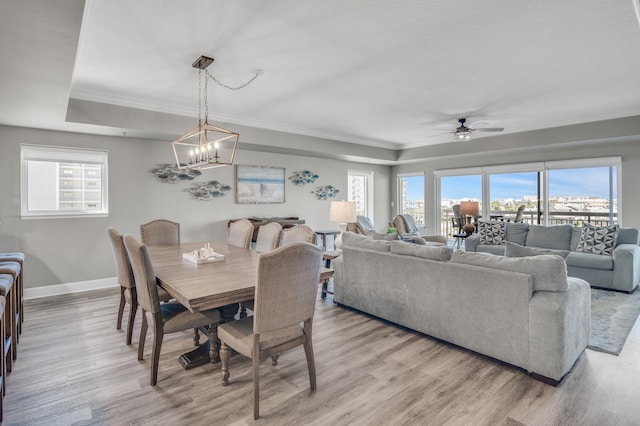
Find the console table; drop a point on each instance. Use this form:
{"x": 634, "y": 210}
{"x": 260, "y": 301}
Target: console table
{"x": 285, "y": 222}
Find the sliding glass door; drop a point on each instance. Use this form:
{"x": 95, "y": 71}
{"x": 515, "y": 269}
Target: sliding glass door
{"x": 453, "y": 191}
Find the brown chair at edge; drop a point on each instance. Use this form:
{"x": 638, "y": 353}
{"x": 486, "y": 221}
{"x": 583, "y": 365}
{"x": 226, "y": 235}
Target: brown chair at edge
{"x": 168, "y": 317}
{"x": 285, "y": 297}
{"x": 240, "y": 233}
{"x": 160, "y": 232}
{"x": 127, "y": 284}
{"x": 300, "y": 233}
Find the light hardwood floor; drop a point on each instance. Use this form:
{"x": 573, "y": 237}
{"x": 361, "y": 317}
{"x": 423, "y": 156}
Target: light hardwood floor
{"x": 73, "y": 367}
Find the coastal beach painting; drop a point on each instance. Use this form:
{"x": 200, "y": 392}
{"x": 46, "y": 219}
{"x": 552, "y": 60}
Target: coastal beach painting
{"x": 259, "y": 184}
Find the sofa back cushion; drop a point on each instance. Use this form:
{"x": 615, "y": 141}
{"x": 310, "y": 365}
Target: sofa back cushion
{"x": 516, "y": 250}
{"x": 441, "y": 253}
{"x": 549, "y": 272}
{"x": 553, "y": 237}
{"x": 351, "y": 239}
{"x": 628, "y": 236}
{"x": 516, "y": 232}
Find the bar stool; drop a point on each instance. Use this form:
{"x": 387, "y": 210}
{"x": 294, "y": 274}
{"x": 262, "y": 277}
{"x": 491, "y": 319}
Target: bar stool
{"x": 15, "y": 270}
{"x": 17, "y": 257}
{"x": 3, "y": 370}
{"x": 8, "y": 320}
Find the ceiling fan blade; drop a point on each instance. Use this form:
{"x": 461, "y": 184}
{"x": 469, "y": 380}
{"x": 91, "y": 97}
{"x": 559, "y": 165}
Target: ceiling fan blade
{"x": 489, "y": 129}
{"x": 440, "y": 134}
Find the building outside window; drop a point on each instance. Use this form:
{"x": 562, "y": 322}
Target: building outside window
{"x": 411, "y": 196}
{"x": 63, "y": 182}
{"x": 360, "y": 191}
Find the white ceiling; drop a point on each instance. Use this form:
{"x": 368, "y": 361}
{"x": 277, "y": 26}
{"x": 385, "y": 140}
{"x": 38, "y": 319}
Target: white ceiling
{"x": 379, "y": 72}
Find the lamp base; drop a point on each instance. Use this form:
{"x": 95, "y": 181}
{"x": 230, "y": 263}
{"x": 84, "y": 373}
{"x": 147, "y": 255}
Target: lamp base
{"x": 468, "y": 227}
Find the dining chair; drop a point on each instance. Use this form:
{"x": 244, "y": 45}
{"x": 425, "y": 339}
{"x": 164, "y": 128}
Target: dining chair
{"x": 300, "y": 233}
{"x": 19, "y": 258}
{"x": 165, "y": 318}
{"x": 3, "y": 369}
{"x": 7, "y": 290}
{"x": 269, "y": 237}
{"x": 285, "y": 300}
{"x": 160, "y": 232}
{"x": 240, "y": 233}
{"x": 128, "y": 292}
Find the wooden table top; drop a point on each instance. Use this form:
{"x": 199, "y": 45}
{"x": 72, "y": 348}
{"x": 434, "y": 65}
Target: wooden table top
{"x": 206, "y": 285}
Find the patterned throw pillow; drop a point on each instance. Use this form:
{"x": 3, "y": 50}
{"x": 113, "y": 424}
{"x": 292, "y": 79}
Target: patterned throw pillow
{"x": 597, "y": 239}
{"x": 491, "y": 233}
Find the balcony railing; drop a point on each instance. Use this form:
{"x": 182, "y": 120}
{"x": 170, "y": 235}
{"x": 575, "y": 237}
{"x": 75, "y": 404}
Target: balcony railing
{"x": 531, "y": 217}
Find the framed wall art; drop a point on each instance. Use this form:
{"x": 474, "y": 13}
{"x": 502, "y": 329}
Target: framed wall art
{"x": 259, "y": 184}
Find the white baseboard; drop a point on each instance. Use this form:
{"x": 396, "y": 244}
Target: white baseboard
{"x": 58, "y": 289}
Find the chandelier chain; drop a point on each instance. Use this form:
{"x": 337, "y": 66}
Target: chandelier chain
{"x": 242, "y": 86}
{"x": 199, "y": 97}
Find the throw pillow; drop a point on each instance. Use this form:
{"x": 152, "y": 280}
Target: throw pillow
{"x": 597, "y": 239}
{"x": 491, "y": 233}
{"x": 516, "y": 250}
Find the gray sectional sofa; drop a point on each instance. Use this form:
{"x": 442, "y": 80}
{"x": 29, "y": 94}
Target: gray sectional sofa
{"x": 618, "y": 271}
{"x": 524, "y": 311}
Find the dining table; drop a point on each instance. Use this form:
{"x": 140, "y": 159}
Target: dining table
{"x": 222, "y": 284}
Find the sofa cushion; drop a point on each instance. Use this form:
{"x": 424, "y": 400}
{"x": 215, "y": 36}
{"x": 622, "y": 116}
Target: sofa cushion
{"x": 597, "y": 239}
{"x": 516, "y": 250}
{"x": 549, "y": 272}
{"x": 351, "y": 239}
{"x": 385, "y": 237}
{"x": 589, "y": 260}
{"x": 516, "y": 232}
{"x": 441, "y": 253}
{"x": 553, "y": 237}
{"x": 491, "y": 233}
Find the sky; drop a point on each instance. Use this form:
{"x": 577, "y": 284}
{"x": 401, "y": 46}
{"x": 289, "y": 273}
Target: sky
{"x": 592, "y": 182}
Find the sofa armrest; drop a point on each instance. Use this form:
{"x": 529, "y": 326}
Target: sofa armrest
{"x": 338, "y": 278}
{"x": 626, "y": 267}
{"x": 471, "y": 242}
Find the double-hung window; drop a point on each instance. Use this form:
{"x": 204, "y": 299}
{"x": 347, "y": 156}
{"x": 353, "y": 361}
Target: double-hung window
{"x": 63, "y": 182}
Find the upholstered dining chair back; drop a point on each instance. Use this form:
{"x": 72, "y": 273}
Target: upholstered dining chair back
{"x": 160, "y": 232}
{"x": 269, "y": 237}
{"x": 143, "y": 273}
{"x": 121, "y": 258}
{"x": 240, "y": 233}
{"x": 301, "y": 233}
{"x": 287, "y": 277}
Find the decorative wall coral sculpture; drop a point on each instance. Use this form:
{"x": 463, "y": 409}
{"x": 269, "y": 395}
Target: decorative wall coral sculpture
{"x": 303, "y": 177}
{"x": 206, "y": 191}
{"x": 325, "y": 192}
{"x": 170, "y": 173}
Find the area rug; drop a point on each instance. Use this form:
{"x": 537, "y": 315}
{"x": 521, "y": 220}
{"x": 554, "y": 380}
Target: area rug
{"x": 612, "y": 317}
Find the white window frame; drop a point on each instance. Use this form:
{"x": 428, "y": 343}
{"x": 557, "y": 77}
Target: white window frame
{"x": 369, "y": 190}
{"x": 543, "y": 167}
{"x": 63, "y": 155}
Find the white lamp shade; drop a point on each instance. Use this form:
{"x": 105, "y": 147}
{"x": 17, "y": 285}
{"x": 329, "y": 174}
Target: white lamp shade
{"x": 342, "y": 212}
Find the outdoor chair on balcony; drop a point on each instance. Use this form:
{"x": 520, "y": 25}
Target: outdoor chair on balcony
{"x": 457, "y": 220}
{"x": 518, "y": 217}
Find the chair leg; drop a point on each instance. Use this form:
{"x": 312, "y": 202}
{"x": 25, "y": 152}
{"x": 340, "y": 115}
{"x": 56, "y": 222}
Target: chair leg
{"x": 158, "y": 335}
{"x": 224, "y": 363}
{"x": 121, "y": 309}
{"x": 143, "y": 335}
{"x": 256, "y": 387}
{"x": 132, "y": 316}
{"x": 308, "y": 351}
{"x": 256, "y": 376}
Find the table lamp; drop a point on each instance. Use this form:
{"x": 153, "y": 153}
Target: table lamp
{"x": 342, "y": 212}
{"x": 469, "y": 210}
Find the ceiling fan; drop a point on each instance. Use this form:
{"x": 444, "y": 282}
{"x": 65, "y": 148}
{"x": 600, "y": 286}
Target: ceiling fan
{"x": 463, "y": 132}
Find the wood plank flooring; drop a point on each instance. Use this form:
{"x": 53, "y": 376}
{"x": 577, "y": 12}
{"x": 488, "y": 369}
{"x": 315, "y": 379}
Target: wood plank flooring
{"x": 73, "y": 367}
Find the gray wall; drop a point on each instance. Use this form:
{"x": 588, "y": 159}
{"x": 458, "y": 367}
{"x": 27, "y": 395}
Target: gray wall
{"x": 629, "y": 151}
{"x": 70, "y": 250}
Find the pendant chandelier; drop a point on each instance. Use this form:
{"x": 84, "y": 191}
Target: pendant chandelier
{"x": 206, "y": 146}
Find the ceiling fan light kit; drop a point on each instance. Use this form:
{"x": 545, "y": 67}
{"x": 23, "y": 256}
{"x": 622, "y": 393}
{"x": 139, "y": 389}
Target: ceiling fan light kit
{"x": 463, "y": 132}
